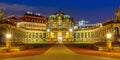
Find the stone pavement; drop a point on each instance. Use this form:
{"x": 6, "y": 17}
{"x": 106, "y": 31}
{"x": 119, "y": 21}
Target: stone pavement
{"x": 29, "y": 52}
{"x": 61, "y": 52}
{"x": 77, "y": 49}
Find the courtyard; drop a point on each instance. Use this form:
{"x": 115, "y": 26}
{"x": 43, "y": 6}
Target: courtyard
{"x": 60, "y": 51}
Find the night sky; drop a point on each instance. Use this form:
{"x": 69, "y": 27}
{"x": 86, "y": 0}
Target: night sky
{"x": 93, "y": 11}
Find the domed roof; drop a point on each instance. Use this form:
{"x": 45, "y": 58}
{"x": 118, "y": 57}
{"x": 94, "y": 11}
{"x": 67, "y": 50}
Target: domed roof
{"x": 59, "y": 13}
{"x": 52, "y": 16}
{"x": 66, "y": 16}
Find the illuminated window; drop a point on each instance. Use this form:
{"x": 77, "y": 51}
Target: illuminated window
{"x": 74, "y": 35}
{"x": 59, "y": 25}
{"x": 33, "y": 35}
{"x": 40, "y": 35}
{"x": 91, "y": 34}
{"x": 116, "y": 31}
{"x": 36, "y": 35}
{"x": 88, "y": 34}
{"x": 85, "y": 34}
{"x": 67, "y": 24}
{"x": 29, "y": 35}
{"x": 78, "y": 35}
{"x": 82, "y": 35}
{"x": 51, "y": 24}
{"x": 44, "y": 35}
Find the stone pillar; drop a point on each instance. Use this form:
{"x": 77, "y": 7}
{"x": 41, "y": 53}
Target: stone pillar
{"x": 109, "y": 45}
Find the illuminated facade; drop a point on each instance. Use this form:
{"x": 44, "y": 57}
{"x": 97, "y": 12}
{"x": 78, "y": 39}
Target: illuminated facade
{"x": 83, "y": 25}
{"x": 59, "y": 27}
{"x": 32, "y": 28}
{"x": 98, "y": 34}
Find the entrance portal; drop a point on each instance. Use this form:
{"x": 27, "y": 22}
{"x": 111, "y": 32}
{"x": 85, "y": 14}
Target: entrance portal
{"x": 59, "y": 37}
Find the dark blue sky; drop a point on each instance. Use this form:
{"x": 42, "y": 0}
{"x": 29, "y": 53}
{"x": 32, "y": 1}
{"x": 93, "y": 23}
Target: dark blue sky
{"x": 92, "y": 10}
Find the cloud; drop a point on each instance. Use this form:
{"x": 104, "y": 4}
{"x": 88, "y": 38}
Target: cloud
{"x": 15, "y": 9}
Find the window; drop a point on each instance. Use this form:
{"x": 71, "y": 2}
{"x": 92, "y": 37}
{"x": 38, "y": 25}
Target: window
{"x": 44, "y": 35}
{"x": 91, "y": 34}
{"x": 82, "y": 35}
{"x": 74, "y": 35}
{"x": 51, "y": 24}
{"x": 59, "y": 25}
{"x": 88, "y": 34}
{"x": 40, "y": 35}
{"x": 32, "y": 35}
{"x": 36, "y": 35}
{"x": 67, "y": 25}
{"x": 78, "y": 35}
{"x": 29, "y": 35}
{"x": 85, "y": 34}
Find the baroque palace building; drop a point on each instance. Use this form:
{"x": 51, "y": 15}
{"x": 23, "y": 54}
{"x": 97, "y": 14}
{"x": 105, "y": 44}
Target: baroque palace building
{"x": 34, "y": 28}
{"x": 97, "y": 32}
{"x": 60, "y": 27}
{"x": 28, "y": 29}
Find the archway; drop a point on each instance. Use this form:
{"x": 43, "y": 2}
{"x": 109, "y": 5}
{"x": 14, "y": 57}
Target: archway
{"x": 60, "y": 37}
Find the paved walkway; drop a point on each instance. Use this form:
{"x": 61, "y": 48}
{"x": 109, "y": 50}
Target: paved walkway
{"x": 61, "y": 52}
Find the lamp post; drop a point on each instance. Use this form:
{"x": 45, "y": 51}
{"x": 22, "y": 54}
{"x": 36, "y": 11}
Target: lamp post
{"x": 48, "y": 34}
{"x": 8, "y": 42}
{"x": 70, "y": 35}
{"x": 109, "y": 42}
{"x": 48, "y": 30}
{"x": 71, "y": 30}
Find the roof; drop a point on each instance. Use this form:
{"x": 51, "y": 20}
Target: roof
{"x": 60, "y": 13}
{"x": 34, "y": 15}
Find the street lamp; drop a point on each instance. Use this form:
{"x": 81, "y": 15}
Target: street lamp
{"x": 71, "y": 30}
{"x": 108, "y": 35}
{"x": 8, "y": 43}
{"x": 48, "y": 30}
{"x": 109, "y": 42}
{"x": 8, "y": 36}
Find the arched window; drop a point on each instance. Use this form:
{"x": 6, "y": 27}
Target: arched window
{"x": 78, "y": 35}
{"x": 116, "y": 32}
{"x": 59, "y": 25}
{"x": 82, "y": 35}
{"x": 88, "y": 34}
{"x": 67, "y": 24}
{"x": 40, "y": 35}
{"x": 75, "y": 35}
{"x": 51, "y": 25}
{"x": 44, "y": 35}
{"x": 36, "y": 35}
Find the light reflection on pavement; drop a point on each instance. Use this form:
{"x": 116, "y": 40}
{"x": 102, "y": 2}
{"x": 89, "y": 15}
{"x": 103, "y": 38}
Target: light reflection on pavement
{"x": 61, "y": 52}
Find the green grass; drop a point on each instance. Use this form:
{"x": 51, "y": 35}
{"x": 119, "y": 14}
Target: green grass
{"x": 38, "y": 43}
{"x": 82, "y": 43}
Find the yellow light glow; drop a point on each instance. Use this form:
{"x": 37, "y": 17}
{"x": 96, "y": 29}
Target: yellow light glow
{"x": 48, "y": 30}
{"x": 8, "y": 36}
{"x": 67, "y": 33}
{"x": 108, "y": 35}
{"x": 70, "y": 30}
